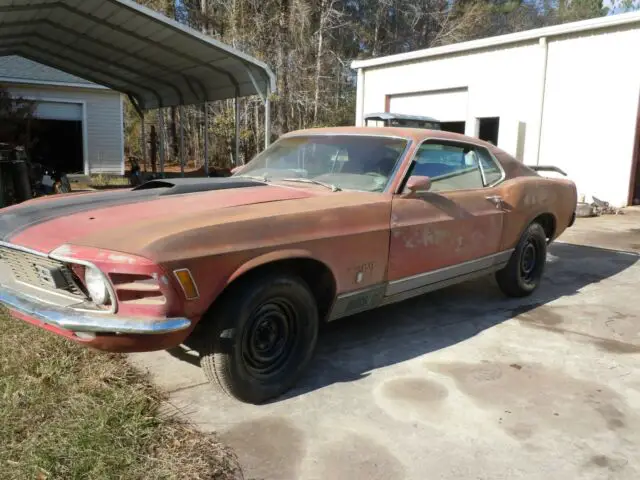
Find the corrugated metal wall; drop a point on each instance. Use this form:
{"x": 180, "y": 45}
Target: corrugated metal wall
{"x": 589, "y": 110}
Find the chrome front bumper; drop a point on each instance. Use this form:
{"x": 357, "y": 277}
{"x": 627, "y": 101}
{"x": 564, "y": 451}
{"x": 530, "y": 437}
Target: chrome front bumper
{"x": 82, "y": 321}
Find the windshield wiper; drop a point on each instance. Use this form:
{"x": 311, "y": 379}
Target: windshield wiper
{"x": 333, "y": 188}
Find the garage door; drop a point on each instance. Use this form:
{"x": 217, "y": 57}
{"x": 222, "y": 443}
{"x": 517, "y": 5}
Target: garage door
{"x": 446, "y": 105}
{"x": 59, "y": 111}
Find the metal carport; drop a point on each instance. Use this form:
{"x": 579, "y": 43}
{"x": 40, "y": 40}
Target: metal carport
{"x": 130, "y": 48}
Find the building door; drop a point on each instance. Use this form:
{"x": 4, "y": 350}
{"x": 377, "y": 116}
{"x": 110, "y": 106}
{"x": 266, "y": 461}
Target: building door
{"x": 455, "y": 127}
{"x": 488, "y": 129}
{"x": 56, "y": 135}
{"x": 59, "y": 111}
{"x": 448, "y": 105}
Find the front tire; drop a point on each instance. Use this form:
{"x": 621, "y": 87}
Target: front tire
{"x": 261, "y": 337}
{"x": 522, "y": 275}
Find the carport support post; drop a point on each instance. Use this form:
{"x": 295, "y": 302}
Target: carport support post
{"x": 143, "y": 130}
{"x": 206, "y": 139}
{"x": 181, "y": 141}
{"x": 236, "y": 160}
{"x": 161, "y": 128}
{"x": 267, "y": 121}
{"x": 143, "y": 142}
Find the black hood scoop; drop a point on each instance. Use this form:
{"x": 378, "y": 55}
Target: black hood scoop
{"x": 29, "y": 214}
{"x": 177, "y": 186}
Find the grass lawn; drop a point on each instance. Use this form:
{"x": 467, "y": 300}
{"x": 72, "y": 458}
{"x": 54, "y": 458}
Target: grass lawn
{"x": 67, "y": 412}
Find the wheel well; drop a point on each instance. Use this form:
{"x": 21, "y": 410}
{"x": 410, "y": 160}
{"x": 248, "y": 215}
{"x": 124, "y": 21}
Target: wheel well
{"x": 548, "y": 222}
{"x": 316, "y": 274}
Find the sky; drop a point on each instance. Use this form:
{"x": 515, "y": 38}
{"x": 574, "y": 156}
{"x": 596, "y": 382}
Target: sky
{"x": 610, "y": 4}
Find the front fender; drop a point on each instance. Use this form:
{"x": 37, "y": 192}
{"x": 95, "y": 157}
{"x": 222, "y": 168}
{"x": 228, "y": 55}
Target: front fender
{"x": 270, "y": 258}
{"x": 214, "y": 275}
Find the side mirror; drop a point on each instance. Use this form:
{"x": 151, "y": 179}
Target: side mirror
{"x": 418, "y": 183}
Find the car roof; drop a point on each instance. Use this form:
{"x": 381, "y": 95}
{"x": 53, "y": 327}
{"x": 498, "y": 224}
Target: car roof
{"x": 416, "y": 134}
{"x": 398, "y": 116}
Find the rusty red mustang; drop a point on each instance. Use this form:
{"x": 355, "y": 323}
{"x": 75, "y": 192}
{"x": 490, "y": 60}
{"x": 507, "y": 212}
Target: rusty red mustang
{"x": 323, "y": 224}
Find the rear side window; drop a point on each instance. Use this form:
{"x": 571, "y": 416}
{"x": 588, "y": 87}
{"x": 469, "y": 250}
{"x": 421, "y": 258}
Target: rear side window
{"x": 491, "y": 171}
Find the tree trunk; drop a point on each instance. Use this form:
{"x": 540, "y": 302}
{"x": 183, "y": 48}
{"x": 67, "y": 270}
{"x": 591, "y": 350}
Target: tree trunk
{"x": 319, "y": 53}
{"x": 205, "y": 18}
{"x": 281, "y": 67}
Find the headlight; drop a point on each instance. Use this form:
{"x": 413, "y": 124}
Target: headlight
{"x": 96, "y": 285}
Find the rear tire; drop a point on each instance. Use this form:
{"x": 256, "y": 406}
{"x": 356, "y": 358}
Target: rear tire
{"x": 522, "y": 275}
{"x": 261, "y": 337}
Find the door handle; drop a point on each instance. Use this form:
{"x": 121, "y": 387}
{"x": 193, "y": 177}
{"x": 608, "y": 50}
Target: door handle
{"x": 495, "y": 199}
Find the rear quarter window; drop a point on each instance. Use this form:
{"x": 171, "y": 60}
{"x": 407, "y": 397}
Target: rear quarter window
{"x": 490, "y": 167}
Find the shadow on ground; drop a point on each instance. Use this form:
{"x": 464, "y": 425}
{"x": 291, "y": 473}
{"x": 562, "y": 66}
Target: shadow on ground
{"x": 352, "y": 347}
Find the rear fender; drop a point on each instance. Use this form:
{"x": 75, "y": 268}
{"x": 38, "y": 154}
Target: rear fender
{"x": 526, "y": 198}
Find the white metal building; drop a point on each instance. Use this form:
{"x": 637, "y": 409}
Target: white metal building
{"x": 78, "y": 125}
{"x": 567, "y": 95}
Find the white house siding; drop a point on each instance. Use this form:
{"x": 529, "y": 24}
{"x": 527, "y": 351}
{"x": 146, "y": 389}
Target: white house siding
{"x": 591, "y": 96}
{"x": 102, "y": 122}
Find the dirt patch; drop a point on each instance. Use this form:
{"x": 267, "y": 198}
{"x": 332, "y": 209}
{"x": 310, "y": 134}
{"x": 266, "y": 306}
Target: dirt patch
{"x": 355, "y": 456}
{"x": 534, "y": 399}
{"x": 608, "y": 463}
{"x": 415, "y": 390}
{"x": 274, "y": 447}
{"x": 539, "y": 315}
{"x": 612, "y": 232}
{"x": 412, "y": 398}
{"x": 624, "y": 328}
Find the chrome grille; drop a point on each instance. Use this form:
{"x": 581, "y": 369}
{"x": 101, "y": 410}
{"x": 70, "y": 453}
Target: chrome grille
{"x": 36, "y": 271}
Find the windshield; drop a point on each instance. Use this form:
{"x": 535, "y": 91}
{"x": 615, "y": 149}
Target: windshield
{"x": 352, "y": 162}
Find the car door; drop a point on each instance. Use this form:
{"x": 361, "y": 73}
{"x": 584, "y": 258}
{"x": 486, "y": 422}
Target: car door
{"x": 455, "y": 227}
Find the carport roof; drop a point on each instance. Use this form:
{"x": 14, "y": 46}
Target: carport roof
{"x": 130, "y": 48}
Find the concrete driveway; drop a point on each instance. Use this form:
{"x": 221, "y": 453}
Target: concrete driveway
{"x": 458, "y": 384}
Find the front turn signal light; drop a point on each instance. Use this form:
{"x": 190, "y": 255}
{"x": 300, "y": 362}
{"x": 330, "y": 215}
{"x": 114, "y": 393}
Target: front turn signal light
{"x": 187, "y": 283}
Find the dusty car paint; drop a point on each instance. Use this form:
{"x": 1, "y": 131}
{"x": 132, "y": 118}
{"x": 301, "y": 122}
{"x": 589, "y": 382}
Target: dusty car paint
{"x": 362, "y": 240}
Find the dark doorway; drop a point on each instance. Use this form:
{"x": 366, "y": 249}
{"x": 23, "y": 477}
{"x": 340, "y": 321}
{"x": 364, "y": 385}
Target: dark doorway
{"x": 57, "y": 144}
{"x": 455, "y": 127}
{"x": 489, "y": 128}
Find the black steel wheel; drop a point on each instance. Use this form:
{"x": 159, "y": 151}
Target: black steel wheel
{"x": 523, "y": 273}
{"x": 260, "y": 337}
{"x": 269, "y": 337}
{"x": 528, "y": 261}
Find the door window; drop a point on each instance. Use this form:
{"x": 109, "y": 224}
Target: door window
{"x": 450, "y": 167}
{"x": 456, "y": 166}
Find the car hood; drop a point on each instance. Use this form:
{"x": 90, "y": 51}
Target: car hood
{"x": 123, "y": 219}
